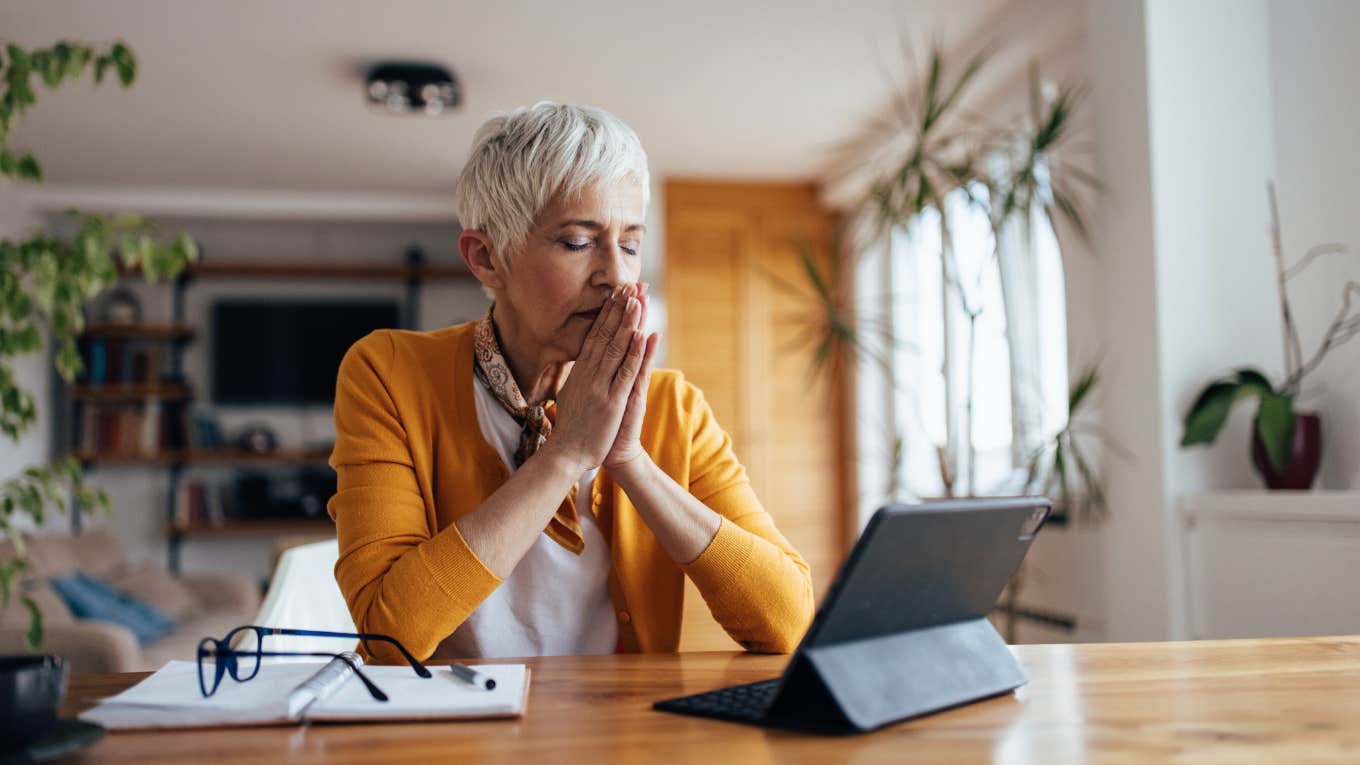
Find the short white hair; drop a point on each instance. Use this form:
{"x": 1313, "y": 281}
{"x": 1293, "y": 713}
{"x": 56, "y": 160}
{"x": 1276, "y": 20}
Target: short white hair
{"x": 521, "y": 161}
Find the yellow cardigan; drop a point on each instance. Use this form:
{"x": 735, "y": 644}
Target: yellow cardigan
{"x": 410, "y": 459}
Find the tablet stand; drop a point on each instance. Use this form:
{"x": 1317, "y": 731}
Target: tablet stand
{"x": 860, "y": 685}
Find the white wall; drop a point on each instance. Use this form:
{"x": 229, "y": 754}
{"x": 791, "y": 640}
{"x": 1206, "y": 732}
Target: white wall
{"x": 1185, "y": 146}
{"x": 1134, "y": 559}
{"x": 1316, "y": 68}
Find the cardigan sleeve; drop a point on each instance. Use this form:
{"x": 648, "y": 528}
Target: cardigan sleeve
{"x": 398, "y": 577}
{"x": 755, "y": 584}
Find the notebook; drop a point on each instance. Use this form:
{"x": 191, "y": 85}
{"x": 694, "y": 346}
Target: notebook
{"x": 284, "y": 694}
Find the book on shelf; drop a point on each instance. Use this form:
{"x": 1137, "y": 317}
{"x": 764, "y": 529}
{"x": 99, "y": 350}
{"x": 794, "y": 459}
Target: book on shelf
{"x": 127, "y": 428}
{"x": 198, "y": 505}
{"x": 207, "y": 435}
{"x": 122, "y": 360}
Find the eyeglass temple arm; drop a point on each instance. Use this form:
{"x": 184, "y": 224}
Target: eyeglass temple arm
{"x": 415, "y": 664}
{"x": 374, "y": 690}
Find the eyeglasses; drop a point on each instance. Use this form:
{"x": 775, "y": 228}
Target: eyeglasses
{"x": 244, "y": 664}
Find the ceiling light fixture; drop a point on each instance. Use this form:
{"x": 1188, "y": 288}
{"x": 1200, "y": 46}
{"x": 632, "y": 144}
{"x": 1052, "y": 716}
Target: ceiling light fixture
{"x": 412, "y": 87}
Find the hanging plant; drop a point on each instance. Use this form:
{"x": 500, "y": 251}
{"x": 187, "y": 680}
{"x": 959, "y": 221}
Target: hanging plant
{"x": 45, "y": 283}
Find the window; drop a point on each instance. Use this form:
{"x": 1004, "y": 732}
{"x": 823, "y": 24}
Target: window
{"x": 914, "y": 313}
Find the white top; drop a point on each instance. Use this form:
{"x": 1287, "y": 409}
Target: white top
{"x": 555, "y": 602}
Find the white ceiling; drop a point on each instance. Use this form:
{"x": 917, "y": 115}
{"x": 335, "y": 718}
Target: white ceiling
{"x": 267, "y": 95}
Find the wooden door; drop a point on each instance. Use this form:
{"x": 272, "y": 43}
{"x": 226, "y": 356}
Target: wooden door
{"x": 735, "y": 332}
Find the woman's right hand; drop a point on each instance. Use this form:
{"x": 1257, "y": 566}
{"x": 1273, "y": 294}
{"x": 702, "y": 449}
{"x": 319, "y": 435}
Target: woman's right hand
{"x": 591, "y": 403}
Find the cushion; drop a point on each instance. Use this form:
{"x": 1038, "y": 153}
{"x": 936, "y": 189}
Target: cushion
{"x": 100, "y": 553}
{"x": 182, "y": 644}
{"x": 50, "y": 555}
{"x": 53, "y": 608}
{"x": 150, "y": 583}
{"x": 90, "y": 598}
{"x": 95, "y": 551}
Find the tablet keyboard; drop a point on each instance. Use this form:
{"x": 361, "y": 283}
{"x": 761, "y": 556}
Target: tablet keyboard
{"x": 745, "y": 703}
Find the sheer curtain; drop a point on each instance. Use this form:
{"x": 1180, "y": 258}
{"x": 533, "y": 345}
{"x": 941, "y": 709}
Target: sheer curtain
{"x": 912, "y": 382}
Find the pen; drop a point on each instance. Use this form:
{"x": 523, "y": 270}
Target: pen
{"x": 469, "y": 675}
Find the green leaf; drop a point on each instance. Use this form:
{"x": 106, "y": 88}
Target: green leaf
{"x": 1081, "y": 389}
{"x": 125, "y": 62}
{"x": 188, "y": 247}
{"x": 18, "y": 58}
{"x": 49, "y": 67}
{"x": 7, "y": 573}
{"x": 34, "y": 635}
{"x": 28, "y": 168}
{"x": 75, "y": 65}
{"x": 1254, "y": 379}
{"x": 101, "y": 63}
{"x": 1275, "y": 426}
{"x": 1208, "y": 413}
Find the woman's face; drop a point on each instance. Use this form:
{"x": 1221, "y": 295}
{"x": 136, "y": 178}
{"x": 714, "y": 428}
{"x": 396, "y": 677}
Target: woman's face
{"x": 578, "y": 251}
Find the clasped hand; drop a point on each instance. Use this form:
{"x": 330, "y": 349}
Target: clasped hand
{"x": 601, "y": 405}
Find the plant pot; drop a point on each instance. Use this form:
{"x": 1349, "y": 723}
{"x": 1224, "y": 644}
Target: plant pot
{"x": 31, "y": 691}
{"x": 1305, "y": 455}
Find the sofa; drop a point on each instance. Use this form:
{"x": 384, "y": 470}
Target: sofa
{"x": 200, "y": 605}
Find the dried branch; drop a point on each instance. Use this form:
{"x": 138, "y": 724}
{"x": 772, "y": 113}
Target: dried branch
{"x": 1293, "y": 349}
{"x": 1331, "y": 248}
{"x": 1343, "y": 328}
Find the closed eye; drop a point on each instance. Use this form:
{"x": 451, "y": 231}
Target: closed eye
{"x": 578, "y": 246}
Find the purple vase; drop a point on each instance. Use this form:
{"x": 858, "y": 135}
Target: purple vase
{"x": 1305, "y": 455}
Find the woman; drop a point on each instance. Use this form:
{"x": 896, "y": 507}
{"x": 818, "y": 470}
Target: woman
{"x": 526, "y": 484}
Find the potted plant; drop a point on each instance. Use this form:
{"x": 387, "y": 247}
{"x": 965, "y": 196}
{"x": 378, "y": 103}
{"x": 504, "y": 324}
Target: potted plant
{"x": 1286, "y": 442}
{"x": 929, "y": 149}
{"x": 45, "y": 282}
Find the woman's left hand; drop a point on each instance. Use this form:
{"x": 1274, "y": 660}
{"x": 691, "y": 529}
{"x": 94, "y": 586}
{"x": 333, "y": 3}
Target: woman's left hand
{"x": 627, "y": 448}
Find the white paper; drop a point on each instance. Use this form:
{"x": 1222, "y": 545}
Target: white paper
{"x": 176, "y": 685}
{"x": 411, "y": 696}
{"x": 171, "y": 698}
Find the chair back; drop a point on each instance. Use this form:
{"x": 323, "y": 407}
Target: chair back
{"x": 303, "y": 595}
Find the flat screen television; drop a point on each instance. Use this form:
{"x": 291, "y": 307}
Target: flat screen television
{"x": 287, "y": 352}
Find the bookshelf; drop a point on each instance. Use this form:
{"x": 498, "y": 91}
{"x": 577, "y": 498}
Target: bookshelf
{"x": 169, "y": 331}
{"x": 129, "y": 392}
{"x": 224, "y": 457}
{"x": 131, "y": 411}
{"x": 270, "y": 527}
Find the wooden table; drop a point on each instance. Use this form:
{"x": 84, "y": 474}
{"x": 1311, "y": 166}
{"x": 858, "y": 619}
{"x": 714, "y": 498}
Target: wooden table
{"x": 1277, "y": 701}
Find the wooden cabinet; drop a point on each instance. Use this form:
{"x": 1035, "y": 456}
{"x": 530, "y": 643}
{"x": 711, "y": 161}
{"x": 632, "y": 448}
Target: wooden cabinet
{"x": 737, "y": 330}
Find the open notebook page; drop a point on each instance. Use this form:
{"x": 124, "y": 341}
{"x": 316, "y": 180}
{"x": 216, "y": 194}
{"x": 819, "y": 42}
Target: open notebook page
{"x": 412, "y": 697}
{"x": 170, "y": 697}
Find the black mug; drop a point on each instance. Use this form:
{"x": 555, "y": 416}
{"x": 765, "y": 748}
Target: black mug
{"x": 31, "y": 691}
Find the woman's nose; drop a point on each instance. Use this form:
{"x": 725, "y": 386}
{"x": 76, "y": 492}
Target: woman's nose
{"x": 615, "y": 267}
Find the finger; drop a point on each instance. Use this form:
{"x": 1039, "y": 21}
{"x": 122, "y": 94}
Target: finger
{"x": 593, "y": 349}
{"x": 628, "y": 369}
{"x": 645, "y": 375}
{"x": 617, "y": 349}
{"x": 610, "y": 323}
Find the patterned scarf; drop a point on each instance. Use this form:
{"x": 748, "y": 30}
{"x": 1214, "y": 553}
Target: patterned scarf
{"x": 536, "y": 422}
